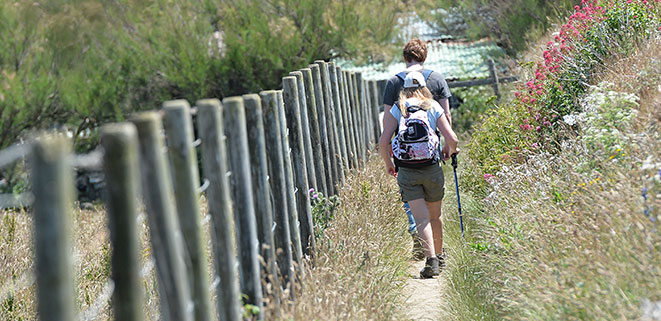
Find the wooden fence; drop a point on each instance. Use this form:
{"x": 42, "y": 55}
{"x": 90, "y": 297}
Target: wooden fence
{"x": 261, "y": 155}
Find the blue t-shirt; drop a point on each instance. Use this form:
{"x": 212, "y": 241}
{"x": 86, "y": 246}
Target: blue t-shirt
{"x": 432, "y": 114}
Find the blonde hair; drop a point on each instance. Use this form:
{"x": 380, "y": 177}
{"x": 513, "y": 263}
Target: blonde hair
{"x": 421, "y": 93}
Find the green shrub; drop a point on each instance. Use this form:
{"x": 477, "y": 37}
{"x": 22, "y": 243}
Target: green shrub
{"x": 593, "y": 34}
{"x": 513, "y": 23}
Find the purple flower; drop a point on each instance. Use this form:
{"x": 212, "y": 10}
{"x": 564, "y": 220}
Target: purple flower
{"x": 311, "y": 190}
{"x": 315, "y": 196}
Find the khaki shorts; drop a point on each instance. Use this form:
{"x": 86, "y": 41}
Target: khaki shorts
{"x": 427, "y": 183}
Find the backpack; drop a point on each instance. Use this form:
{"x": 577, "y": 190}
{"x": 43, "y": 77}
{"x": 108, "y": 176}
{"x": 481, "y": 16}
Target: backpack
{"x": 416, "y": 143}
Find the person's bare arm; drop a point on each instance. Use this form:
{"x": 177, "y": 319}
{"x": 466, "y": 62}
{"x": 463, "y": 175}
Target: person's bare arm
{"x": 451, "y": 140}
{"x": 445, "y": 105}
{"x": 389, "y": 127}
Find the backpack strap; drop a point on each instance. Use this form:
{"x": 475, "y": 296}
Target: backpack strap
{"x": 426, "y": 73}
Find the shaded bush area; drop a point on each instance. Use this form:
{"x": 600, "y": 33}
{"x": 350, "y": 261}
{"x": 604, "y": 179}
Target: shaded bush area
{"x": 78, "y": 63}
{"x": 512, "y": 22}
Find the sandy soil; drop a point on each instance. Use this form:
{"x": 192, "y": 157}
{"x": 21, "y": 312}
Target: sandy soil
{"x": 423, "y": 296}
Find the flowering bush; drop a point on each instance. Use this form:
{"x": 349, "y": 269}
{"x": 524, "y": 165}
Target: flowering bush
{"x": 595, "y": 32}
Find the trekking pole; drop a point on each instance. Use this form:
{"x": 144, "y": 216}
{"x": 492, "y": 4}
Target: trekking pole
{"x": 456, "y": 185}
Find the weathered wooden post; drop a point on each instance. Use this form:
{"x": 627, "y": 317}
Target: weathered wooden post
{"x": 244, "y": 215}
{"x": 494, "y": 77}
{"x": 346, "y": 84}
{"x": 183, "y": 157}
{"x": 367, "y": 113}
{"x": 360, "y": 86}
{"x": 260, "y": 184}
{"x": 315, "y": 131}
{"x": 292, "y": 109}
{"x": 305, "y": 128}
{"x": 121, "y": 168}
{"x": 292, "y": 210}
{"x": 165, "y": 235}
{"x": 283, "y": 250}
{"x": 341, "y": 113}
{"x": 331, "y": 122}
{"x": 52, "y": 184}
{"x": 338, "y": 123}
{"x": 358, "y": 122}
{"x": 323, "y": 128}
{"x": 376, "y": 124}
{"x": 214, "y": 164}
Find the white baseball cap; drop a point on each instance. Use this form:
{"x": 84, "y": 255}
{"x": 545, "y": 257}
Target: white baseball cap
{"x": 414, "y": 79}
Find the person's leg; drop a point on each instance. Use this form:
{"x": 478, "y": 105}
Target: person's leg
{"x": 436, "y": 222}
{"x": 421, "y": 215}
{"x": 409, "y": 214}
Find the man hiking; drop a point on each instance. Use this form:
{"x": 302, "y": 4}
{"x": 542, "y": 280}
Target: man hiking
{"x": 415, "y": 54}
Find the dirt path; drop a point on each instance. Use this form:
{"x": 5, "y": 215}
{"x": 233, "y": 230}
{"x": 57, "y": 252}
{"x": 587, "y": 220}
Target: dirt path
{"x": 423, "y": 296}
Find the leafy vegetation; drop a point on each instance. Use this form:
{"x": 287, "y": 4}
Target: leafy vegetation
{"x": 78, "y": 63}
{"x": 513, "y": 23}
{"x": 593, "y": 35}
{"x": 562, "y": 212}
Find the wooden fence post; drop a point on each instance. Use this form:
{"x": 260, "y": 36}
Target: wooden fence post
{"x": 283, "y": 250}
{"x": 367, "y": 113}
{"x": 376, "y": 124}
{"x": 360, "y": 142}
{"x": 214, "y": 165}
{"x": 260, "y": 185}
{"x": 315, "y": 131}
{"x": 121, "y": 168}
{"x": 342, "y": 112}
{"x": 292, "y": 109}
{"x": 244, "y": 215}
{"x": 305, "y": 128}
{"x": 292, "y": 210}
{"x": 360, "y": 85}
{"x": 52, "y": 184}
{"x": 348, "y": 100}
{"x": 166, "y": 238}
{"x": 494, "y": 77}
{"x": 183, "y": 157}
{"x": 329, "y": 109}
{"x": 323, "y": 128}
{"x": 338, "y": 123}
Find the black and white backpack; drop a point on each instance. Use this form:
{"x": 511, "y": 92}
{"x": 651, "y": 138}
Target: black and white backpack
{"x": 416, "y": 144}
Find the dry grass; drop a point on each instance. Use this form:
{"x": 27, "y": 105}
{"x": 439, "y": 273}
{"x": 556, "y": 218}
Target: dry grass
{"x": 91, "y": 258}
{"x": 564, "y": 236}
{"x": 362, "y": 258}
{"x": 357, "y": 274}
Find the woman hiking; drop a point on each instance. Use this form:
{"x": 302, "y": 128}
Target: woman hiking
{"x": 413, "y": 121}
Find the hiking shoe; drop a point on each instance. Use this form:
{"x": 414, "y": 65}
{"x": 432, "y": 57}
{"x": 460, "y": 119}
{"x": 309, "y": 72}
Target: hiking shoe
{"x": 431, "y": 268}
{"x": 418, "y": 249}
{"x": 441, "y": 259}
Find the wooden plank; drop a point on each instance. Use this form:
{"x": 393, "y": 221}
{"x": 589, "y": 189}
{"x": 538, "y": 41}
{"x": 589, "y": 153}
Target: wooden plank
{"x": 185, "y": 175}
{"x": 214, "y": 164}
{"x": 52, "y": 184}
{"x": 121, "y": 168}
{"x": 245, "y": 224}
{"x": 165, "y": 235}
{"x": 292, "y": 109}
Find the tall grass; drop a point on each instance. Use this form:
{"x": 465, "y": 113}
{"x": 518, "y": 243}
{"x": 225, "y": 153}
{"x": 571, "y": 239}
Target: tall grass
{"x": 362, "y": 258}
{"x": 573, "y": 234}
